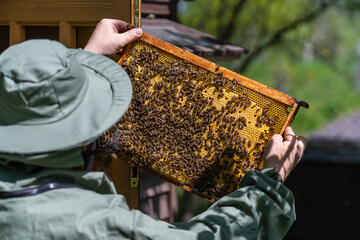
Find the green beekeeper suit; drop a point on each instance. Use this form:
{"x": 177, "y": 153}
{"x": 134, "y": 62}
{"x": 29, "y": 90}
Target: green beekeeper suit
{"x": 53, "y": 100}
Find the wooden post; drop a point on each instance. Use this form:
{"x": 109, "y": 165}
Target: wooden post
{"x": 67, "y": 34}
{"x": 17, "y": 33}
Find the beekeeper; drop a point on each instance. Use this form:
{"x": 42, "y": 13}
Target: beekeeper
{"x": 53, "y": 101}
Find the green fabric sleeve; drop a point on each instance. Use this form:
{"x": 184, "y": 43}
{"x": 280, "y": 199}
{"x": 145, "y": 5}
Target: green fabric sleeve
{"x": 261, "y": 209}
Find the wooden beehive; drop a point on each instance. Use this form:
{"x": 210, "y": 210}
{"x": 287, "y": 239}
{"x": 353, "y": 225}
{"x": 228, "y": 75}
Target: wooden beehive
{"x": 193, "y": 122}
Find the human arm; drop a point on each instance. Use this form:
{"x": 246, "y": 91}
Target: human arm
{"x": 262, "y": 208}
{"x": 110, "y": 36}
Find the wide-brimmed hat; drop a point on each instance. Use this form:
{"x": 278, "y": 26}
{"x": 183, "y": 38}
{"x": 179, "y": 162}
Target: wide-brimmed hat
{"x": 56, "y": 99}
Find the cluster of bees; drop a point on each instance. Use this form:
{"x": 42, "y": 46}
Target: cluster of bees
{"x": 195, "y": 126}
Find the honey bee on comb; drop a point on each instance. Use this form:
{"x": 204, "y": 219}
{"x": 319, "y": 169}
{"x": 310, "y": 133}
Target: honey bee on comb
{"x": 195, "y": 125}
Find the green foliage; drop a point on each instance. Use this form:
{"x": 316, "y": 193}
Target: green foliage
{"x": 351, "y": 5}
{"x": 254, "y": 20}
{"x": 257, "y": 25}
{"x": 325, "y": 82}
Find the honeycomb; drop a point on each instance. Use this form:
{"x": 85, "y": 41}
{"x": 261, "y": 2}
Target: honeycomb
{"x": 193, "y": 126}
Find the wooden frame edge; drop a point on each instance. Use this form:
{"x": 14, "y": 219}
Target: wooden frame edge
{"x": 215, "y": 68}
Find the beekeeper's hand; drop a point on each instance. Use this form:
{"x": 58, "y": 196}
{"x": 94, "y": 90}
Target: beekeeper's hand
{"x": 284, "y": 153}
{"x": 110, "y": 36}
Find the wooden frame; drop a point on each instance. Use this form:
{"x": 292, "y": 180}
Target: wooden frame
{"x": 291, "y": 104}
{"x": 206, "y": 64}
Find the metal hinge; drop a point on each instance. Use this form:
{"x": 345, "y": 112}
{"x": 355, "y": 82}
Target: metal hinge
{"x": 134, "y": 181}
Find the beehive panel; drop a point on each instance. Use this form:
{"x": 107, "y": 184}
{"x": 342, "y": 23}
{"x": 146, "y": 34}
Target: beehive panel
{"x": 201, "y": 129}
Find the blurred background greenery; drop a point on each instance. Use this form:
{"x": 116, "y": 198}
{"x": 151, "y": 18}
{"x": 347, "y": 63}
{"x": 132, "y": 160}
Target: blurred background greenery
{"x": 305, "y": 48}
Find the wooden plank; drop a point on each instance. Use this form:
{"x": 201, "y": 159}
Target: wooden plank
{"x": 17, "y": 33}
{"x": 67, "y": 34}
{"x": 157, "y": 9}
{"x": 122, "y": 10}
{"x": 54, "y": 11}
{"x": 157, "y": 1}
